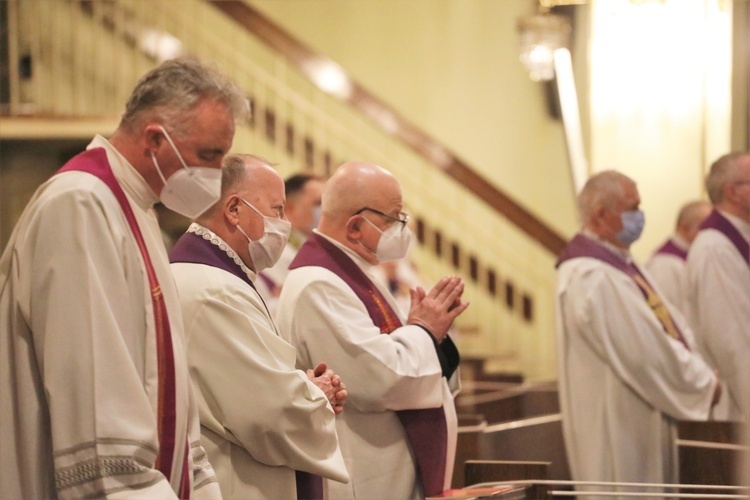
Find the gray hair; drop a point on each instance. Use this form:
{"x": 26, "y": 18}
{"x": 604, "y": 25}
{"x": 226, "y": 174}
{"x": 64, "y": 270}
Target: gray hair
{"x": 723, "y": 171}
{"x": 234, "y": 173}
{"x": 604, "y": 188}
{"x": 173, "y": 90}
{"x": 234, "y": 170}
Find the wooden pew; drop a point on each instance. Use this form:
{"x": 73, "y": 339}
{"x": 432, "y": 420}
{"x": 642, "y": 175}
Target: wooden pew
{"x": 710, "y": 452}
{"x": 485, "y": 471}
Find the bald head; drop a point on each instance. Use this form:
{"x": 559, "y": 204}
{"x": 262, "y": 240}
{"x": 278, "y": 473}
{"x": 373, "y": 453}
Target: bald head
{"x": 690, "y": 217}
{"x": 360, "y": 202}
{"x": 356, "y": 185}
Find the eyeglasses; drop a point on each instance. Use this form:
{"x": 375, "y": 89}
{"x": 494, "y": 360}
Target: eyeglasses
{"x": 403, "y": 217}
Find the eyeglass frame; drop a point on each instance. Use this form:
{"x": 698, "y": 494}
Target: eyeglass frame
{"x": 403, "y": 221}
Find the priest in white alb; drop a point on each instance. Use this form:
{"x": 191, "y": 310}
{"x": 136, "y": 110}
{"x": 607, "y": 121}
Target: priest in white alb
{"x": 668, "y": 263}
{"x": 719, "y": 276}
{"x": 398, "y": 433}
{"x": 628, "y": 369}
{"x": 269, "y": 428}
{"x": 95, "y": 396}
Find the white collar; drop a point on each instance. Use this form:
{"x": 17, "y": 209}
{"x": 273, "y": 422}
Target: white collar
{"x": 742, "y": 226}
{"x": 362, "y": 263}
{"x": 212, "y": 237}
{"x": 128, "y": 177}
{"x": 624, "y": 253}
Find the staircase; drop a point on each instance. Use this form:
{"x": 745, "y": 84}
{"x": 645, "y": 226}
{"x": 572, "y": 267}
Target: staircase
{"x": 80, "y": 59}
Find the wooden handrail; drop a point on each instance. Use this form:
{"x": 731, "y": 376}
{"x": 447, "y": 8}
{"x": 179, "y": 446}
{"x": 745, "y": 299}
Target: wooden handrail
{"x": 397, "y": 126}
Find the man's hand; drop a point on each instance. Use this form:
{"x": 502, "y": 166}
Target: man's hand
{"x": 437, "y": 309}
{"x": 331, "y": 384}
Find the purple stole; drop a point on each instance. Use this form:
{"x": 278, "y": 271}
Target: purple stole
{"x": 426, "y": 429}
{"x": 582, "y": 246}
{"x": 94, "y": 161}
{"x": 717, "y": 221}
{"x": 669, "y": 248}
{"x": 195, "y": 249}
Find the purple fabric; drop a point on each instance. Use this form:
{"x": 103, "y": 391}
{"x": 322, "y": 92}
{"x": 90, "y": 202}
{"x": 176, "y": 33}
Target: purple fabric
{"x": 194, "y": 249}
{"x": 669, "y": 248}
{"x": 581, "y": 246}
{"x": 720, "y": 223}
{"x": 309, "y": 486}
{"x": 94, "y": 161}
{"x": 426, "y": 429}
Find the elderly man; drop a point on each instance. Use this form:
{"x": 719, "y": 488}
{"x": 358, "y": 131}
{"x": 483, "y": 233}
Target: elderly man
{"x": 256, "y": 435}
{"x": 95, "y": 395}
{"x": 303, "y": 194}
{"x": 719, "y": 274}
{"x": 668, "y": 263}
{"x": 398, "y": 433}
{"x": 626, "y": 360}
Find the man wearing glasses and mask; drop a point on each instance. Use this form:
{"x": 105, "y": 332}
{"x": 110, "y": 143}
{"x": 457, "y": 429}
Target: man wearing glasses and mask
{"x": 398, "y": 433}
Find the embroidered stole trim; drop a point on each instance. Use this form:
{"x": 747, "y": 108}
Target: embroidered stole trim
{"x": 426, "y": 429}
{"x": 94, "y": 162}
{"x": 717, "y": 221}
{"x": 582, "y": 246}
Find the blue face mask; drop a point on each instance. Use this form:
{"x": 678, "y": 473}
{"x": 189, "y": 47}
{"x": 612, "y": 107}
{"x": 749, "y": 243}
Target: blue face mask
{"x": 632, "y": 226}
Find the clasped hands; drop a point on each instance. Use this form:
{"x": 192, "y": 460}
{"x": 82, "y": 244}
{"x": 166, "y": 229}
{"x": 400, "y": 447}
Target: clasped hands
{"x": 331, "y": 384}
{"x": 435, "y": 310}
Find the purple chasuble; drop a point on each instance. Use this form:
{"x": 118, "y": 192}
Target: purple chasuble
{"x": 669, "y": 248}
{"x": 717, "y": 221}
{"x": 193, "y": 248}
{"x": 582, "y": 246}
{"x": 426, "y": 429}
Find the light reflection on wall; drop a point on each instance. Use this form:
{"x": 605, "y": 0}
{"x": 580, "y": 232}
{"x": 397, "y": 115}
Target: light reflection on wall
{"x": 660, "y": 97}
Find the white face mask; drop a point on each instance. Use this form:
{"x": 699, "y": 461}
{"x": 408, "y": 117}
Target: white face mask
{"x": 191, "y": 190}
{"x": 266, "y": 251}
{"x": 394, "y": 242}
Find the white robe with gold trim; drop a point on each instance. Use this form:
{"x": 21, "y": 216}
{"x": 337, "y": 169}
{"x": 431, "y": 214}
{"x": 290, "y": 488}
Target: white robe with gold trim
{"x": 623, "y": 381}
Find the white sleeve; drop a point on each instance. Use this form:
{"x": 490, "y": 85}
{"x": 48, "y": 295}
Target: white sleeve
{"x": 720, "y": 283}
{"x": 618, "y": 324}
{"x": 327, "y": 322}
{"x": 86, "y": 297}
{"x": 247, "y": 378}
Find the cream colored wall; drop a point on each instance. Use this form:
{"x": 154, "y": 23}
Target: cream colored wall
{"x": 451, "y": 67}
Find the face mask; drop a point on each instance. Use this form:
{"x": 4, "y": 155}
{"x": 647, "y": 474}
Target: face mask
{"x": 266, "y": 251}
{"x": 632, "y": 226}
{"x": 191, "y": 190}
{"x": 394, "y": 242}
